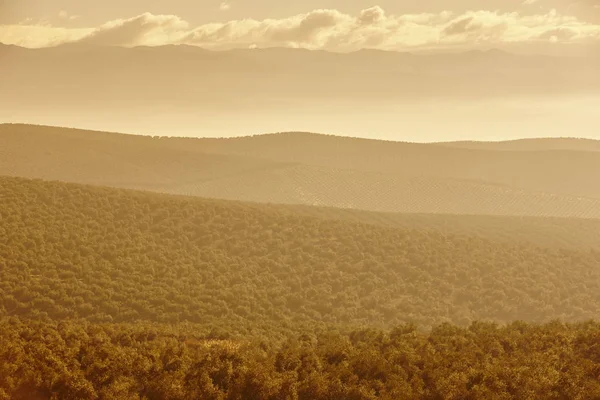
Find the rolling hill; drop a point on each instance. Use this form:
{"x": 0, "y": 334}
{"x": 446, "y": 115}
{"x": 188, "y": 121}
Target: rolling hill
{"x": 112, "y": 159}
{"x": 311, "y": 169}
{"x": 575, "y": 144}
{"x": 322, "y": 186}
{"x": 557, "y": 171}
{"x": 71, "y": 251}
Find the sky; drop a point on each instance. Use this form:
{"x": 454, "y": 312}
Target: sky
{"x": 335, "y": 25}
{"x": 557, "y": 27}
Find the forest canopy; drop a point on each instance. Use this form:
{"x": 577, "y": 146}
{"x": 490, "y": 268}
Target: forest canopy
{"x": 114, "y": 294}
{"x": 69, "y": 360}
{"x": 70, "y": 251}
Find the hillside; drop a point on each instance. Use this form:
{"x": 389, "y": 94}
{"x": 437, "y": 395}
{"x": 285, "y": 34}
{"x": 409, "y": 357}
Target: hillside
{"x": 142, "y": 361}
{"x": 111, "y": 159}
{"x": 105, "y": 255}
{"x": 559, "y": 171}
{"x": 568, "y": 233}
{"x": 310, "y": 169}
{"x": 575, "y": 144}
{"x": 322, "y": 186}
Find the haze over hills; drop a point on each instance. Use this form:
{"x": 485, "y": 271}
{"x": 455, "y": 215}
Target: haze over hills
{"x": 560, "y": 171}
{"x": 181, "y": 72}
{"x": 310, "y": 169}
{"x": 309, "y": 200}
{"x": 576, "y": 144}
{"x": 186, "y": 90}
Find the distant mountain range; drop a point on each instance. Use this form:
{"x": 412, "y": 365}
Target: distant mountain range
{"x": 188, "y": 90}
{"x": 75, "y": 73}
{"x": 544, "y": 177}
{"x": 575, "y": 144}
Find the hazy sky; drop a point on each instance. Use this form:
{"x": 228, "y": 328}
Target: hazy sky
{"x": 526, "y": 26}
{"x": 340, "y": 25}
{"x": 95, "y": 12}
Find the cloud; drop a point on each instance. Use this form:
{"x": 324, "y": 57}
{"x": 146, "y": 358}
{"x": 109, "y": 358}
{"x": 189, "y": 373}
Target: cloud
{"x": 371, "y": 15}
{"x": 530, "y": 2}
{"x": 327, "y": 29}
{"x": 558, "y": 34}
{"x": 333, "y": 30}
{"x": 461, "y": 26}
{"x": 225, "y": 6}
{"x": 40, "y": 35}
{"x": 66, "y": 16}
{"x": 144, "y": 29}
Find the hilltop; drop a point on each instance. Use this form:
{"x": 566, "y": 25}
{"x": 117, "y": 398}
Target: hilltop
{"x": 566, "y": 143}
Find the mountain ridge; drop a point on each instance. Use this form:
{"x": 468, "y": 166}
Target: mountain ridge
{"x": 311, "y": 134}
{"x": 490, "y": 51}
{"x": 314, "y": 169}
{"x": 159, "y": 89}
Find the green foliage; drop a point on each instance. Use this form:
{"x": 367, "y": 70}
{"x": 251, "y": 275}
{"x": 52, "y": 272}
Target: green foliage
{"x": 71, "y": 252}
{"x": 70, "y": 360}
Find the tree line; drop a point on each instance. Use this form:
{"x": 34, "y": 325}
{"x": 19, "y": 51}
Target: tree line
{"x": 81, "y": 360}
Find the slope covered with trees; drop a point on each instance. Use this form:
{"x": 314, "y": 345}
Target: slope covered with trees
{"x": 572, "y": 233}
{"x": 126, "y": 361}
{"x": 107, "y": 255}
{"x": 387, "y": 192}
{"x": 310, "y": 169}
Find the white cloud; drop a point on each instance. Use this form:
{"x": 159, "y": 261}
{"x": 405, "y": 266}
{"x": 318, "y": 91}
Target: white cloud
{"x": 65, "y": 15}
{"x": 225, "y": 6}
{"x": 35, "y": 36}
{"x": 331, "y": 29}
{"x": 144, "y": 29}
{"x": 323, "y": 29}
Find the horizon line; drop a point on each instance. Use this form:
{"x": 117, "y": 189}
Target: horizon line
{"x": 292, "y": 132}
{"x": 413, "y": 52}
